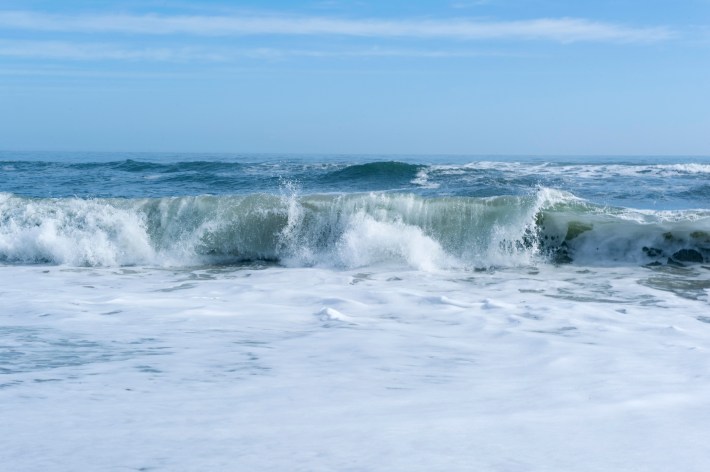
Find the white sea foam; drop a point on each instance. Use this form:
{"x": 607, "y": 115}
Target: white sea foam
{"x": 328, "y": 314}
{"x": 495, "y": 324}
{"x": 314, "y": 369}
{"x": 343, "y": 231}
{"x": 368, "y": 242}
{"x": 576, "y": 171}
{"x": 422, "y": 179}
{"x": 74, "y": 231}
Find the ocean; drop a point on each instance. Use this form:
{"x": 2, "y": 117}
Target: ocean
{"x": 354, "y": 313}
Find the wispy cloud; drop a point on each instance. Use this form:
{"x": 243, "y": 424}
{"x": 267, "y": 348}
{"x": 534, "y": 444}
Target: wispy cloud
{"x": 67, "y": 50}
{"x": 73, "y": 51}
{"x": 552, "y": 29}
{"x": 79, "y": 51}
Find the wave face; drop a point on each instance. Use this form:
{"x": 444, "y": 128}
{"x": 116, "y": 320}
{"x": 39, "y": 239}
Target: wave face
{"x": 375, "y": 175}
{"x": 347, "y": 230}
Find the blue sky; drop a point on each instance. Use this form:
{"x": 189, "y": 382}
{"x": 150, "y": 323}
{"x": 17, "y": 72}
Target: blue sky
{"x": 426, "y": 77}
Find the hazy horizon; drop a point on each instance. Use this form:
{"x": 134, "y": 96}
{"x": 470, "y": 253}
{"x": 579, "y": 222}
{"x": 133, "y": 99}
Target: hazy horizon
{"x": 486, "y": 77}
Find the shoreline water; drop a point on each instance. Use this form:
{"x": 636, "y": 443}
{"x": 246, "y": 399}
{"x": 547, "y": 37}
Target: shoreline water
{"x": 299, "y": 368}
{"x": 511, "y": 316}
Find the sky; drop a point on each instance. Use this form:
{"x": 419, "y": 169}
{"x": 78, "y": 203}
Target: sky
{"x": 478, "y": 77}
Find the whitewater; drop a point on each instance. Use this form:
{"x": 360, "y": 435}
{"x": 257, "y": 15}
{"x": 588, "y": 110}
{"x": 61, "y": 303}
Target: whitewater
{"x": 267, "y": 312}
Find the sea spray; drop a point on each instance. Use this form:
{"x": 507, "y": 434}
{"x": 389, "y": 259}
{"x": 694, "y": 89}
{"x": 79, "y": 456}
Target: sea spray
{"x": 72, "y": 231}
{"x": 585, "y": 331}
{"x": 346, "y": 230}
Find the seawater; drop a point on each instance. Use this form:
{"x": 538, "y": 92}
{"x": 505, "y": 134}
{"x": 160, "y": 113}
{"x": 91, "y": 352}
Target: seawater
{"x": 253, "y": 312}
{"x": 103, "y": 210}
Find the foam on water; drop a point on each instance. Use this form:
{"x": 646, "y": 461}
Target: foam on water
{"x": 659, "y": 183}
{"x": 220, "y": 313}
{"x": 309, "y": 368}
{"x": 71, "y": 231}
{"x": 368, "y": 242}
{"x": 356, "y": 230}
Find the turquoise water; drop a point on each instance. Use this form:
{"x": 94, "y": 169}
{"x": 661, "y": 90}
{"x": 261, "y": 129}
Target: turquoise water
{"x": 185, "y": 209}
{"x": 303, "y": 313}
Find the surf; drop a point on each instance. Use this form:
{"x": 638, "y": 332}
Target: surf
{"x": 346, "y": 230}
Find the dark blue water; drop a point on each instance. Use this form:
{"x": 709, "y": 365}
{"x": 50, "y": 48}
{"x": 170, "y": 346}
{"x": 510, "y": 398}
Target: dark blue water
{"x": 183, "y": 209}
{"x": 640, "y": 182}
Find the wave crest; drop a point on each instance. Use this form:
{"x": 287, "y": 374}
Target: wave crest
{"x": 353, "y": 230}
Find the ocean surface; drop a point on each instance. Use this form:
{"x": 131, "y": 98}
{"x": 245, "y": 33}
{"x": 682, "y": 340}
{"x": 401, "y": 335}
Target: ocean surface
{"x": 286, "y": 312}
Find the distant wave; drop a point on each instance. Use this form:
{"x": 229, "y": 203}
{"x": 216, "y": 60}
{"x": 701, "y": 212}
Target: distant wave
{"x": 387, "y": 174}
{"x": 656, "y": 184}
{"x": 130, "y": 165}
{"x": 578, "y": 170}
{"x": 351, "y": 230}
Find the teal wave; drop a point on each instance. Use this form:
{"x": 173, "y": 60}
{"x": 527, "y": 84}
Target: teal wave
{"x": 352, "y": 230}
{"x": 388, "y": 174}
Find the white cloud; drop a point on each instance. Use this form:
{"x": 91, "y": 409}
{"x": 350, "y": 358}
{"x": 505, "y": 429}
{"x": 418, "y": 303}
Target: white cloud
{"x": 552, "y": 29}
{"x": 79, "y": 51}
{"x": 66, "y": 50}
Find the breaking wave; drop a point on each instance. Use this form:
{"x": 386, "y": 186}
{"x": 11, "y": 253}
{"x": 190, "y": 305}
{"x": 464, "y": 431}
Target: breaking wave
{"x": 350, "y": 230}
